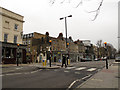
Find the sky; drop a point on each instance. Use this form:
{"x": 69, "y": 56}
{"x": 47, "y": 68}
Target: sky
{"x": 41, "y": 16}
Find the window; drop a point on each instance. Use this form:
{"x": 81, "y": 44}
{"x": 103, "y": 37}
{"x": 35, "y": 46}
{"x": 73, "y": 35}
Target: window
{"x": 29, "y": 49}
{"x": 29, "y": 42}
{"x": 16, "y": 27}
{"x": 15, "y": 39}
{"x": 5, "y": 37}
{"x": 42, "y": 39}
{"x": 6, "y": 24}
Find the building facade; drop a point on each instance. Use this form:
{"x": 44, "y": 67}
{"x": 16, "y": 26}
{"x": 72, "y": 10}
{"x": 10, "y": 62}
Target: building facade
{"x": 11, "y": 35}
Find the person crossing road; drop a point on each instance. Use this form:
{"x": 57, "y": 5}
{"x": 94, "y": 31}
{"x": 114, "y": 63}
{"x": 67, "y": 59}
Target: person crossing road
{"x": 64, "y": 61}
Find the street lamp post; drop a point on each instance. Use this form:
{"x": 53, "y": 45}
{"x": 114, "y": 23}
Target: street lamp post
{"x": 66, "y": 25}
{"x": 66, "y": 29}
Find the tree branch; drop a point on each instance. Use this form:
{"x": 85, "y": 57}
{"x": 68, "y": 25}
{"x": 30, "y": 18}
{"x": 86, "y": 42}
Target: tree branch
{"x": 79, "y": 3}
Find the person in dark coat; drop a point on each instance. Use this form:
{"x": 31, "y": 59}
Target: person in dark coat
{"x": 64, "y": 61}
{"x": 55, "y": 59}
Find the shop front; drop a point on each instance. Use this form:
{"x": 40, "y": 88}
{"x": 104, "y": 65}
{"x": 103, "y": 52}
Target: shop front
{"x": 9, "y": 53}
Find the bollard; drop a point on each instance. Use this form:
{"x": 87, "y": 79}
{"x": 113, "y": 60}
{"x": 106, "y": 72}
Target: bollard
{"x": 68, "y": 61}
{"x": 43, "y": 63}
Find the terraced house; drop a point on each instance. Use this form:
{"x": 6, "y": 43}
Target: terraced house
{"x": 11, "y": 30}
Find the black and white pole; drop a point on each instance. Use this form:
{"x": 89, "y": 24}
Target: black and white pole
{"x": 50, "y": 52}
{"x": 106, "y": 55}
{"x": 18, "y": 54}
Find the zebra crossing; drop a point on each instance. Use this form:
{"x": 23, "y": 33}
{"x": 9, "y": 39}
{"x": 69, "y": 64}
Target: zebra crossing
{"x": 81, "y": 68}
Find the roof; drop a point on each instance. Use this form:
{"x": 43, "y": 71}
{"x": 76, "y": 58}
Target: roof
{"x": 12, "y": 12}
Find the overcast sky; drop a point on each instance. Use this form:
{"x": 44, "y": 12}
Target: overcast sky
{"x": 41, "y": 16}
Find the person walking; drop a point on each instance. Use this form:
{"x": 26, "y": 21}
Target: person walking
{"x": 64, "y": 61}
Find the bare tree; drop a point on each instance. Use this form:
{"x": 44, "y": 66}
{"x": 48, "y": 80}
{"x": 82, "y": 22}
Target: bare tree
{"x": 99, "y": 43}
{"x": 96, "y": 11}
{"x": 99, "y": 49}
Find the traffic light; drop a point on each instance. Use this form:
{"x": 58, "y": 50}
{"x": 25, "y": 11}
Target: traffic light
{"x": 50, "y": 41}
{"x": 18, "y": 45}
{"x": 67, "y": 44}
{"x": 105, "y": 43}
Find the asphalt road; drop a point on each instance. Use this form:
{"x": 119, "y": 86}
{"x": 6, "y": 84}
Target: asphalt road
{"x": 69, "y": 77}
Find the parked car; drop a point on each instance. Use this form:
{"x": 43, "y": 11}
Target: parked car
{"x": 86, "y": 59}
{"x": 96, "y": 59}
{"x": 117, "y": 58}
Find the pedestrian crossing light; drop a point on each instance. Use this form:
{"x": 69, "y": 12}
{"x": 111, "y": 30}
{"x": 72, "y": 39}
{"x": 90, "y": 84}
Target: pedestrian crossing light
{"x": 18, "y": 44}
{"x": 67, "y": 44}
{"x": 50, "y": 41}
{"x": 105, "y": 43}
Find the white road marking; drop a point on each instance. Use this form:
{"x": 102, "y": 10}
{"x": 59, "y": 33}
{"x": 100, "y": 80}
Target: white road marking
{"x": 98, "y": 70}
{"x": 36, "y": 71}
{"x": 66, "y": 71}
{"x": 77, "y": 72}
{"x": 13, "y": 74}
{"x": 55, "y": 70}
{"x": 91, "y": 69}
{"x": 1, "y": 75}
{"x": 81, "y": 68}
{"x": 70, "y": 67}
{"x": 8, "y": 71}
{"x": 19, "y": 68}
{"x": 86, "y": 76}
{"x": 78, "y": 80}
{"x": 27, "y": 73}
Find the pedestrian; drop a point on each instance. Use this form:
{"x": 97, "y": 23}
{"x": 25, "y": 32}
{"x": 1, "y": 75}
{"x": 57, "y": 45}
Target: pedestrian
{"x": 55, "y": 59}
{"x": 64, "y": 61}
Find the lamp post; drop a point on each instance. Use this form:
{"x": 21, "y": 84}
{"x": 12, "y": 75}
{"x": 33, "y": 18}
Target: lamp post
{"x": 66, "y": 29}
{"x": 66, "y": 25}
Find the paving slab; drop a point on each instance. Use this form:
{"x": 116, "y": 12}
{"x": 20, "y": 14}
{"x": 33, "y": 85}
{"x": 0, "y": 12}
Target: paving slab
{"x": 106, "y": 78}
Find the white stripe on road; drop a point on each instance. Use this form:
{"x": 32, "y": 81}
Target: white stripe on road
{"x": 7, "y": 71}
{"x": 19, "y": 68}
{"x": 91, "y": 69}
{"x": 81, "y": 68}
{"x": 66, "y": 71}
{"x": 13, "y": 74}
{"x": 27, "y": 73}
{"x": 78, "y": 81}
{"x": 1, "y": 75}
{"x": 77, "y": 72}
{"x": 70, "y": 67}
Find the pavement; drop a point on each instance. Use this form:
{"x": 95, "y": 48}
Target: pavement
{"x": 106, "y": 78}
